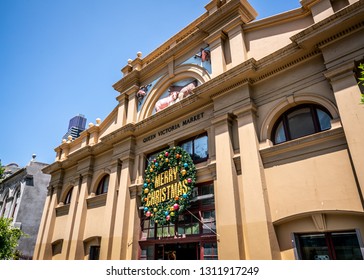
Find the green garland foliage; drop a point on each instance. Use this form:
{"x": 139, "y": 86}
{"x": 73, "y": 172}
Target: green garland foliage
{"x": 168, "y": 210}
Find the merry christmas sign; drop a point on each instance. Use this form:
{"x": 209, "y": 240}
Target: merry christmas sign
{"x": 169, "y": 180}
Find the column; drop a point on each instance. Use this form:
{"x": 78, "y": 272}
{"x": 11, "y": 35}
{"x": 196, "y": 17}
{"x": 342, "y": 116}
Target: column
{"x": 347, "y": 95}
{"x": 259, "y": 236}
{"x": 79, "y": 212}
{"x": 228, "y": 216}
{"x": 121, "y": 237}
{"x": 321, "y": 10}
{"x": 132, "y": 104}
{"x": 218, "y": 64}
{"x": 133, "y": 226}
{"x": 110, "y": 212}
{"x": 70, "y": 222}
{"x": 43, "y": 249}
{"x": 122, "y": 110}
{"x": 237, "y": 44}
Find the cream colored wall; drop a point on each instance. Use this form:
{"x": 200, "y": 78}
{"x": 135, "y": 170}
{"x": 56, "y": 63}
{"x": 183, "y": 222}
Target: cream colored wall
{"x": 292, "y": 191}
{"x": 261, "y": 42}
{"x": 94, "y": 221}
{"x": 59, "y": 227}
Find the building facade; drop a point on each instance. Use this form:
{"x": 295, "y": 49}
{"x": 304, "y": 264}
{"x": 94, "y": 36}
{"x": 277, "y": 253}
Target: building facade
{"x": 235, "y": 139}
{"x": 23, "y": 192}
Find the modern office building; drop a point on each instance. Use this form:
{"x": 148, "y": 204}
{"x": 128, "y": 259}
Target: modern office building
{"x": 76, "y": 125}
{"x": 235, "y": 139}
{"x": 23, "y": 191}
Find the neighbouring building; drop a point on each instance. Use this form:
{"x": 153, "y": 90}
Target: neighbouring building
{"x": 76, "y": 125}
{"x": 235, "y": 139}
{"x": 23, "y": 192}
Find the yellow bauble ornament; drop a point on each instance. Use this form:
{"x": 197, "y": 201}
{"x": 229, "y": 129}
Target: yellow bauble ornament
{"x": 146, "y": 191}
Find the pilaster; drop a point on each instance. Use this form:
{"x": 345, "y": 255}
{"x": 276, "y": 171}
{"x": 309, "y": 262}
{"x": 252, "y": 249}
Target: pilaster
{"x": 132, "y": 104}
{"x": 41, "y": 242}
{"x": 76, "y": 250}
{"x": 70, "y": 223}
{"x": 228, "y": 216}
{"x": 218, "y": 64}
{"x": 347, "y": 95}
{"x": 110, "y": 211}
{"x": 46, "y": 231}
{"x": 122, "y": 110}
{"x": 237, "y": 45}
{"x": 121, "y": 225}
{"x": 260, "y": 240}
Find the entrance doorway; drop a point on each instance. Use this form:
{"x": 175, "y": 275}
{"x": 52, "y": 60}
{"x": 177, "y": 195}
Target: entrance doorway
{"x": 179, "y": 251}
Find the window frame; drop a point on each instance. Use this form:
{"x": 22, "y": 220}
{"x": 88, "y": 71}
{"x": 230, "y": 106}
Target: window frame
{"x": 328, "y": 237}
{"x": 102, "y": 187}
{"x": 193, "y": 139}
{"x": 68, "y": 197}
{"x": 94, "y": 252}
{"x": 283, "y": 119}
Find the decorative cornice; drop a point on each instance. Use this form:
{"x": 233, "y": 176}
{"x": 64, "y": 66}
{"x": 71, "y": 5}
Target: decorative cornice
{"x": 341, "y": 71}
{"x": 346, "y": 19}
{"x": 341, "y": 34}
{"x": 260, "y": 65}
{"x": 129, "y": 80}
{"x": 226, "y": 13}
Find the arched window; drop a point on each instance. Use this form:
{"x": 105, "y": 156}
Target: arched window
{"x": 16, "y": 203}
{"x": 67, "y": 200}
{"x": 3, "y": 212}
{"x": 103, "y": 185}
{"x": 300, "y": 121}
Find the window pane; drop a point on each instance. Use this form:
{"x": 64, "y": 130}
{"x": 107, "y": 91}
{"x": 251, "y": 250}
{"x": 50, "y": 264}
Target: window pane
{"x": 147, "y": 253}
{"x": 188, "y": 230}
{"x": 210, "y": 251}
{"x": 280, "y": 135}
{"x": 300, "y": 123}
{"x": 346, "y": 246}
{"x": 313, "y": 247}
{"x": 188, "y": 147}
{"x": 151, "y": 233}
{"x": 324, "y": 119}
{"x": 106, "y": 184}
{"x": 201, "y": 149}
{"x": 94, "y": 253}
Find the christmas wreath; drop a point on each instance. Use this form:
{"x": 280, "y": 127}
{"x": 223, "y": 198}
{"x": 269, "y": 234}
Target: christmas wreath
{"x": 168, "y": 183}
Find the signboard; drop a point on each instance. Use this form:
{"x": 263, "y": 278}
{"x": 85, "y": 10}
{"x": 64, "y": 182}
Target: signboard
{"x": 169, "y": 180}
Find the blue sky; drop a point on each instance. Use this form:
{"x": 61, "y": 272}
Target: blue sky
{"x": 60, "y": 58}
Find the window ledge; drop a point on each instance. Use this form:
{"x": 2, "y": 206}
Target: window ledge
{"x": 311, "y": 145}
{"x": 62, "y": 210}
{"x": 96, "y": 201}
